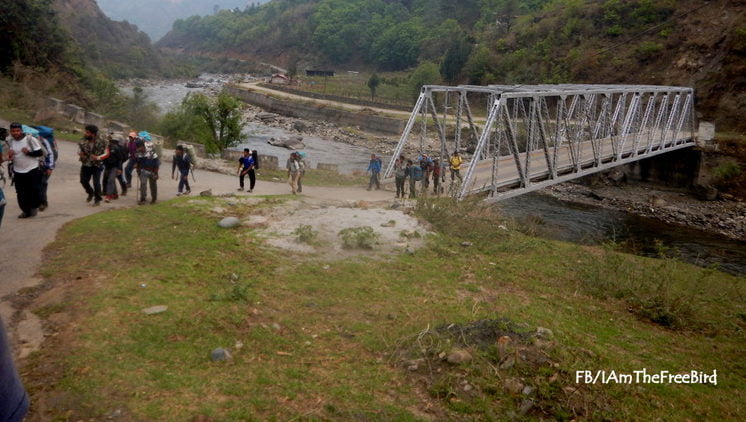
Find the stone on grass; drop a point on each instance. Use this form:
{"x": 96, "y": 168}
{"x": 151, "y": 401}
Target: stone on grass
{"x": 155, "y": 310}
{"x": 466, "y": 244}
{"x": 544, "y": 333}
{"x": 220, "y": 354}
{"x": 459, "y": 356}
{"x": 229, "y": 222}
{"x": 207, "y": 192}
{"x": 513, "y": 385}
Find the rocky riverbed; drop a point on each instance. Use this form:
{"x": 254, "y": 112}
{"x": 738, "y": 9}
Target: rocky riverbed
{"x": 726, "y": 217}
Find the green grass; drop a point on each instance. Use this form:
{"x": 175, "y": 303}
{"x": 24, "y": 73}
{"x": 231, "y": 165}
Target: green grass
{"x": 330, "y": 339}
{"x": 315, "y": 177}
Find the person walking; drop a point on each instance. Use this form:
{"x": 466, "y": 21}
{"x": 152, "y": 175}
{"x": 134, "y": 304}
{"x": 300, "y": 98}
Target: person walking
{"x": 455, "y": 162}
{"x": 293, "y": 166}
{"x": 426, "y": 164}
{"x": 14, "y": 401}
{"x": 147, "y": 166}
{"x": 374, "y": 167}
{"x": 46, "y": 166}
{"x": 246, "y": 165}
{"x": 24, "y": 153}
{"x": 3, "y": 202}
{"x": 414, "y": 173}
{"x": 131, "y": 149}
{"x": 113, "y": 168}
{"x": 92, "y": 151}
{"x": 400, "y": 175}
{"x": 303, "y": 166}
{"x": 183, "y": 162}
{"x": 437, "y": 174}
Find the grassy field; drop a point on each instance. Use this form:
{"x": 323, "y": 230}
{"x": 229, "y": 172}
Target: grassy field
{"x": 316, "y": 177}
{"x": 393, "y": 88}
{"x": 314, "y": 337}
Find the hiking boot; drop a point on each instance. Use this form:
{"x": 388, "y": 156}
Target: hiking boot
{"x": 124, "y": 192}
{"x": 240, "y": 189}
{"x": 96, "y": 202}
{"x": 179, "y": 193}
{"x": 42, "y": 207}
{"x": 33, "y": 212}
{"x": 107, "y": 199}
{"x": 90, "y": 196}
{"x": 24, "y": 215}
{"x": 141, "y": 202}
{"x": 250, "y": 190}
{"x": 187, "y": 192}
{"x": 152, "y": 202}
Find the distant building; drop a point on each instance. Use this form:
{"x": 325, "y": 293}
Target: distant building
{"x": 280, "y": 79}
{"x": 319, "y": 72}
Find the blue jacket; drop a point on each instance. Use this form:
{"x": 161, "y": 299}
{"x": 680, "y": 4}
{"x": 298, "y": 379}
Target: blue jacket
{"x": 375, "y": 165}
{"x": 14, "y": 401}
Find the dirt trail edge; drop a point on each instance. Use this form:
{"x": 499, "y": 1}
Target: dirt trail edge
{"x": 23, "y": 240}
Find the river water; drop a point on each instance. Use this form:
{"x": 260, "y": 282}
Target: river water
{"x": 552, "y": 218}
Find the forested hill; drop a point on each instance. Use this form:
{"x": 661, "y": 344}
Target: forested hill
{"x": 687, "y": 42}
{"x": 118, "y": 49}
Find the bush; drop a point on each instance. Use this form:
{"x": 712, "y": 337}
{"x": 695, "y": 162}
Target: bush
{"x": 727, "y": 171}
{"x": 305, "y": 233}
{"x": 647, "y": 50}
{"x": 669, "y": 296}
{"x": 358, "y": 237}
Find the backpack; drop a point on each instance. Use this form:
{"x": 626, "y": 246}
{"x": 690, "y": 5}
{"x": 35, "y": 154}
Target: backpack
{"x": 255, "y": 156}
{"x": 189, "y": 151}
{"x": 417, "y": 172}
{"x": 47, "y": 133}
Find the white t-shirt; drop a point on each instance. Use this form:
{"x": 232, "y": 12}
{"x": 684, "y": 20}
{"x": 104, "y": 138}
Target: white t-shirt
{"x": 23, "y": 163}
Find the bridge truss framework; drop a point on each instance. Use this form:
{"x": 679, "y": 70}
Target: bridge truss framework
{"x": 527, "y": 137}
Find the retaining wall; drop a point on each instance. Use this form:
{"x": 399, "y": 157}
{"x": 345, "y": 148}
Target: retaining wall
{"x": 316, "y": 111}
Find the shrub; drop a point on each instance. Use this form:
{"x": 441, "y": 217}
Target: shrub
{"x": 358, "y": 237}
{"x": 647, "y": 50}
{"x": 305, "y": 233}
{"x": 726, "y": 171}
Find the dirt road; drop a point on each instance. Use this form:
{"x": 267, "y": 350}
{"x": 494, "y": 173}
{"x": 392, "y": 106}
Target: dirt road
{"x": 23, "y": 240}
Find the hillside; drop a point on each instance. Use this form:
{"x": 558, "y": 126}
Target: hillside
{"x": 118, "y": 49}
{"x": 693, "y": 43}
{"x": 155, "y": 17}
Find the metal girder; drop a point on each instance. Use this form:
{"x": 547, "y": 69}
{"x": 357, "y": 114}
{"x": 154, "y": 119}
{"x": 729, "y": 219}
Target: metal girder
{"x": 533, "y": 136}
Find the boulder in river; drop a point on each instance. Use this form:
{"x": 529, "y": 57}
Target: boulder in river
{"x": 293, "y": 142}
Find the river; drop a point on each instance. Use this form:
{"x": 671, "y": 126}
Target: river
{"x": 553, "y": 218}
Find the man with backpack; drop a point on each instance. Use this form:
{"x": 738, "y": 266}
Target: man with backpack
{"x": 131, "y": 150}
{"x": 113, "y": 168}
{"x": 437, "y": 174}
{"x": 294, "y": 165}
{"x": 46, "y": 136}
{"x": 374, "y": 167}
{"x": 25, "y": 151}
{"x": 91, "y": 152}
{"x": 147, "y": 166}
{"x": 414, "y": 172}
{"x": 246, "y": 165}
{"x": 183, "y": 162}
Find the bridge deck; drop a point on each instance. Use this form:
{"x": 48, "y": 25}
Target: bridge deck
{"x": 508, "y": 180}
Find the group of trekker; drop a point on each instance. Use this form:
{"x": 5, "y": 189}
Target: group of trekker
{"x": 32, "y": 154}
{"x": 422, "y": 170}
{"x": 105, "y": 162}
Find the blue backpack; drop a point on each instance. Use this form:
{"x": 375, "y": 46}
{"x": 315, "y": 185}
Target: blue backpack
{"x": 417, "y": 172}
{"x": 48, "y": 134}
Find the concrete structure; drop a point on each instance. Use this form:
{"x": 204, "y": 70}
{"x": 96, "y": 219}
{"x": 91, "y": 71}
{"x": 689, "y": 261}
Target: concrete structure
{"x": 328, "y": 167}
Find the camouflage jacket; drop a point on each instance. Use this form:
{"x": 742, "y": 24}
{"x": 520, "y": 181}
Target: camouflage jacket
{"x": 88, "y": 149}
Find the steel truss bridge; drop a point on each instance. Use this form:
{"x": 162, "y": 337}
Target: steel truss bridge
{"x": 527, "y": 137}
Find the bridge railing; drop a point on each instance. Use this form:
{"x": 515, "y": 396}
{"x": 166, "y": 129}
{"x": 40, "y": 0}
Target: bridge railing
{"x": 523, "y": 138}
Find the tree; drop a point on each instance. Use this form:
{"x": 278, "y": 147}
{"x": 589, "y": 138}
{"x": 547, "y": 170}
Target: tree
{"x": 426, "y": 74}
{"x": 373, "y": 83}
{"x": 214, "y": 122}
{"x": 455, "y": 59}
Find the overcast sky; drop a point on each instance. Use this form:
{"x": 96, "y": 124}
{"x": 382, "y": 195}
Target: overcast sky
{"x": 155, "y": 17}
